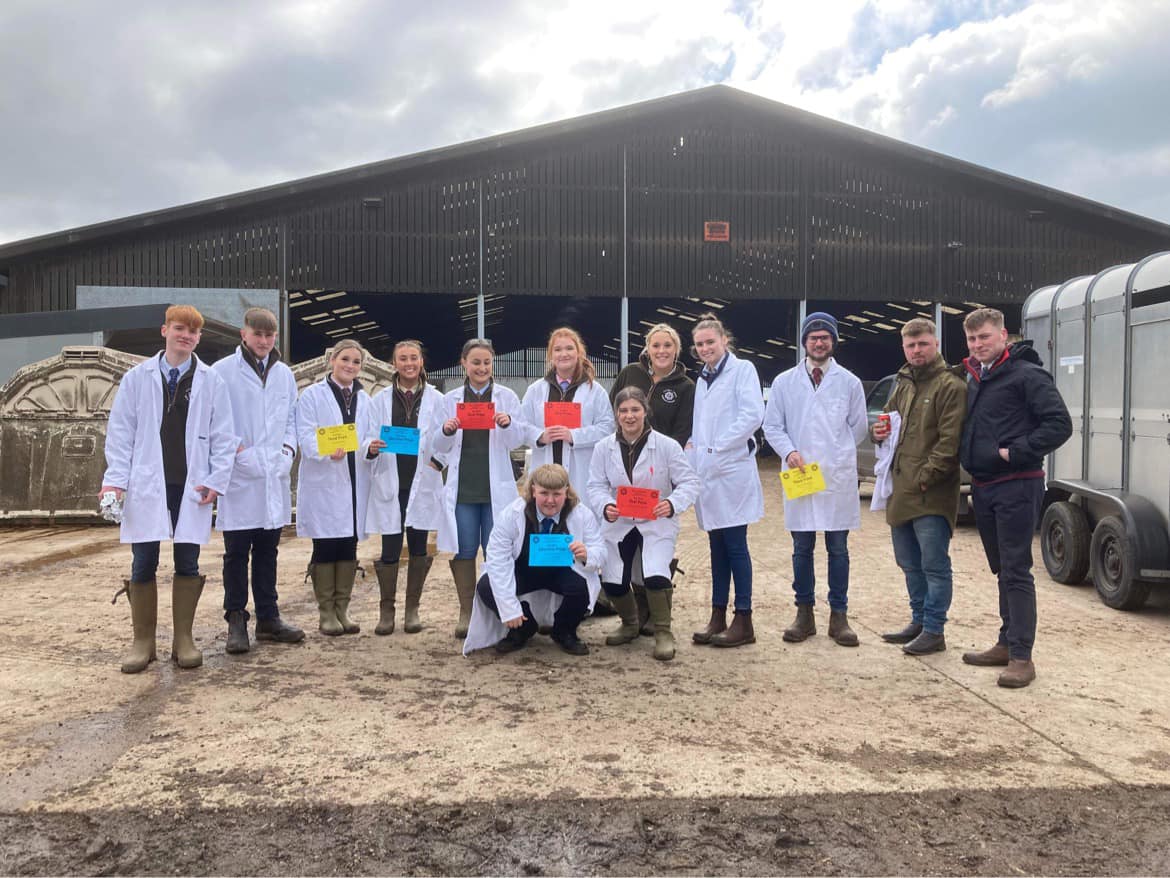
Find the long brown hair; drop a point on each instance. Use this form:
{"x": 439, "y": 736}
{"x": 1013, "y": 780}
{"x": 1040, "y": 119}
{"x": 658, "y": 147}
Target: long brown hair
{"x": 584, "y": 364}
{"x": 411, "y": 343}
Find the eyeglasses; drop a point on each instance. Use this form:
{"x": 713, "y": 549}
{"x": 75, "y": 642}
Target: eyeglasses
{"x": 821, "y": 337}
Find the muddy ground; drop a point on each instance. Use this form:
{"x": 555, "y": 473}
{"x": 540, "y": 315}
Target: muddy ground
{"x": 375, "y": 755}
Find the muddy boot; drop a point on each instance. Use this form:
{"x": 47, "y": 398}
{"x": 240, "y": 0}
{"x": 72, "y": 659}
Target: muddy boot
{"x": 416, "y": 574}
{"x": 237, "y": 639}
{"x": 1019, "y": 673}
{"x": 324, "y": 582}
{"x": 717, "y": 625}
{"x": 388, "y": 588}
{"x": 803, "y": 626}
{"x": 185, "y": 594}
{"x": 739, "y": 633}
{"x": 646, "y": 628}
{"x": 463, "y": 572}
{"x": 342, "y": 592}
{"x": 996, "y": 657}
{"x": 143, "y": 597}
{"x": 839, "y": 629}
{"x": 659, "y": 601}
{"x": 278, "y": 630}
{"x": 627, "y": 607}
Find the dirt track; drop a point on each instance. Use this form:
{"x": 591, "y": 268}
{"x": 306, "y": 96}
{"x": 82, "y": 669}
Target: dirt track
{"x": 367, "y": 754}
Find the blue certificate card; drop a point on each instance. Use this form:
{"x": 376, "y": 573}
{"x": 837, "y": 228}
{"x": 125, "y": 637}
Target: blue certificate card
{"x": 549, "y": 550}
{"x": 400, "y": 440}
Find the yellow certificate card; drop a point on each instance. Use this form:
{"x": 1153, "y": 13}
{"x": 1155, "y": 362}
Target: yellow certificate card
{"x": 329, "y": 439}
{"x": 801, "y": 484}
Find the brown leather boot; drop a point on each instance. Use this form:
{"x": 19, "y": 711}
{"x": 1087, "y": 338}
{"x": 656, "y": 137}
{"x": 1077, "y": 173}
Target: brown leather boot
{"x": 416, "y": 575}
{"x": 803, "y": 626}
{"x": 840, "y": 631}
{"x": 1019, "y": 673}
{"x": 388, "y": 590}
{"x": 717, "y": 625}
{"x": 996, "y": 657}
{"x": 739, "y": 633}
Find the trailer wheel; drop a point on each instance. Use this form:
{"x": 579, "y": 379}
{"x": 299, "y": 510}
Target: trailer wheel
{"x": 1064, "y": 542}
{"x": 1114, "y": 563}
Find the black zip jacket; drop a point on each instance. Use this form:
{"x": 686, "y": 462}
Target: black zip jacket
{"x": 672, "y": 400}
{"x": 1016, "y": 407}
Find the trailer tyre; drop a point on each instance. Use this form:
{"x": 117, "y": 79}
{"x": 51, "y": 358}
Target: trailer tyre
{"x": 1114, "y": 564}
{"x": 1064, "y": 542}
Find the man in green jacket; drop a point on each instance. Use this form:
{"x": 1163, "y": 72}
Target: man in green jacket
{"x": 931, "y": 400}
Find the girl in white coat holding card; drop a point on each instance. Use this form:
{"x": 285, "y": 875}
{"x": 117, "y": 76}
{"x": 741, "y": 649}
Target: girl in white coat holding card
{"x": 729, "y": 408}
{"x": 480, "y": 482}
{"x": 334, "y": 484}
{"x": 570, "y": 384}
{"x": 640, "y": 541}
{"x": 406, "y": 482}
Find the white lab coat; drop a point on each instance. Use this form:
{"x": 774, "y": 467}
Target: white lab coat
{"x": 504, "y": 547}
{"x": 325, "y": 507}
{"x": 502, "y": 440}
{"x": 264, "y": 414}
{"x": 424, "y": 507}
{"x": 134, "y": 456}
{"x": 883, "y": 487}
{"x": 663, "y": 466}
{"x": 824, "y": 425}
{"x": 596, "y": 423}
{"x": 723, "y": 447}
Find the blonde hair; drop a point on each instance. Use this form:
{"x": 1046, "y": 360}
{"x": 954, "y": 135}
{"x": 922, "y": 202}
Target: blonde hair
{"x": 344, "y": 345}
{"x": 584, "y": 364}
{"x": 669, "y": 330}
{"x": 411, "y": 343}
{"x": 188, "y": 315}
{"x": 551, "y": 477}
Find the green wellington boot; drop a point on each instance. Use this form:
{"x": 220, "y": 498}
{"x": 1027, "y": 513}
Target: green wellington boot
{"x": 143, "y": 597}
{"x": 388, "y": 589}
{"x": 185, "y": 594}
{"x": 324, "y": 582}
{"x": 660, "y": 601}
{"x": 627, "y": 607}
{"x": 342, "y": 592}
{"x": 416, "y": 575}
{"x": 463, "y": 572}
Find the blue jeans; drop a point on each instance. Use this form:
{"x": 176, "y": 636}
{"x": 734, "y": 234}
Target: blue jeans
{"x": 144, "y": 556}
{"x": 473, "y": 525}
{"x": 921, "y": 550}
{"x": 730, "y": 556}
{"x": 804, "y": 579}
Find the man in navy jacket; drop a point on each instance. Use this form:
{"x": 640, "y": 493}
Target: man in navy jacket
{"x": 1015, "y": 417}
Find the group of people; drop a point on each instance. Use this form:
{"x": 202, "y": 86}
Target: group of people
{"x": 611, "y": 473}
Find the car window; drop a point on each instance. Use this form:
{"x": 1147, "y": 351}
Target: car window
{"x": 880, "y": 395}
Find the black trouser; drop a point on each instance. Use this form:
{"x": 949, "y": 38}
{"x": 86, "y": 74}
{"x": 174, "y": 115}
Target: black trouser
{"x": 1006, "y": 514}
{"x": 263, "y": 546}
{"x": 416, "y": 540}
{"x": 144, "y": 556}
{"x": 560, "y": 580}
{"x": 332, "y": 549}
{"x": 628, "y": 549}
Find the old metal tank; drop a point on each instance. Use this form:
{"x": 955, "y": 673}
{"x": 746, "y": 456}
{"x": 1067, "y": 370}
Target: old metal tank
{"x": 53, "y": 417}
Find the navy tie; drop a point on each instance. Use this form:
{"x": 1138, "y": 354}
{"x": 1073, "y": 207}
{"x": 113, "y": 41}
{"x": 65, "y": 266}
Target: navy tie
{"x": 260, "y": 367}
{"x": 172, "y": 383}
{"x": 546, "y": 525}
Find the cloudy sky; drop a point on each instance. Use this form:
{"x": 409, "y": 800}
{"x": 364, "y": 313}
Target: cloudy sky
{"x": 126, "y": 106}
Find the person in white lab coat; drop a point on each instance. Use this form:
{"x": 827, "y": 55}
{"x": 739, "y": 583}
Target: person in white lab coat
{"x": 640, "y": 548}
{"x": 170, "y": 447}
{"x": 816, "y": 414}
{"x": 569, "y": 377}
{"x": 405, "y": 489}
{"x": 480, "y": 482}
{"x": 333, "y": 488}
{"x": 728, "y": 410}
{"x": 257, "y": 506}
{"x": 514, "y": 597}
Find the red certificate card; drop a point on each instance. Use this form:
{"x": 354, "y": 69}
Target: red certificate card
{"x": 562, "y": 414}
{"x": 637, "y": 502}
{"x": 476, "y": 415}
